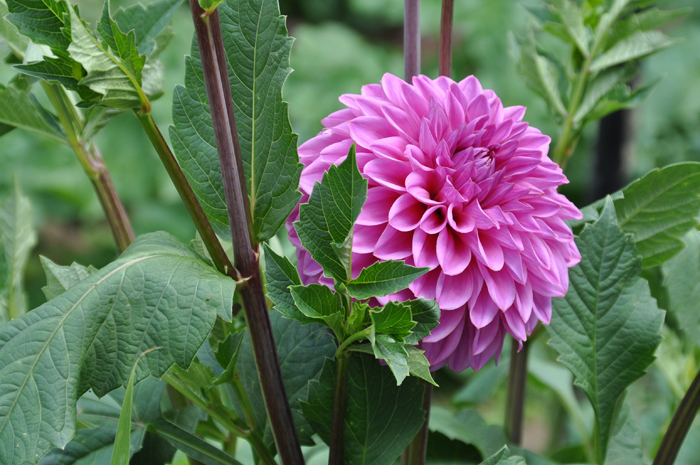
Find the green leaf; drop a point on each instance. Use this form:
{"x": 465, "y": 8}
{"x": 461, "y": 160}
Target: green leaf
{"x": 503, "y": 457}
{"x": 607, "y": 327}
{"x": 157, "y": 294}
{"x": 121, "y": 453}
{"x": 418, "y": 365}
{"x": 61, "y": 70}
{"x": 540, "y": 73}
{"x": 326, "y": 221}
{"x": 602, "y": 85}
{"x": 21, "y": 109}
{"x": 258, "y": 47}
{"x": 319, "y": 302}
{"x": 468, "y": 427}
{"x": 681, "y": 279}
{"x": 626, "y": 439}
{"x": 391, "y": 349}
{"x": 209, "y": 5}
{"x": 659, "y": 209}
{"x": 381, "y": 418}
{"x": 9, "y": 33}
{"x": 301, "y": 351}
{"x": 150, "y": 23}
{"x": 636, "y": 46}
{"x": 572, "y": 18}
{"x": 42, "y": 21}
{"x": 113, "y": 72}
{"x": 61, "y": 278}
{"x": 426, "y": 315}
{"x": 394, "y": 318}
{"x": 193, "y": 446}
{"x": 383, "y": 278}
{"x": 94, "y": 445}
{"x": 17, "y": 239}
{"x": 620, "y": 98}
{"x": 280, "y": 275}
{"x": 645, "y": 20}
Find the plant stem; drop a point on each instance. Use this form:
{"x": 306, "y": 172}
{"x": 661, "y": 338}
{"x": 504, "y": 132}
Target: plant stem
{"x": 680, "y": 424}
{"x": 355, "y": 337}
{"x": 339, "y": 401}
{"x": 245, "y": 251}
{"x": 93, "y": 164}
{"x": 415, "y": 453}
{"x": 411, "y": 39}
{"x": 211, "y": 241}
{"x": 243, "y": 400}
{"x": 515, "y": 400}
{"x": 448, "y": 7}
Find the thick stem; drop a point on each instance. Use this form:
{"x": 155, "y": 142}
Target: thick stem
{"x": 411, "y": 39}
{"x": 339, "y": 401}
{"x": 515, "y": 400}
{"x": 211, "y": 242}
{"x": 680, "y": 424}
{"x": 448, "y": 7}
{"x": 416, "y": 452}
{"x": 246, "y": 257}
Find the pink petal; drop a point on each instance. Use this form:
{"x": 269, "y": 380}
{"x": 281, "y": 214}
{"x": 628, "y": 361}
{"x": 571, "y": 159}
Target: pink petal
{"x": 453, "y": 252}
{"x": 454, "y": 291}
{"x": 406, "y": 213}
{"x": 393, "y": 244}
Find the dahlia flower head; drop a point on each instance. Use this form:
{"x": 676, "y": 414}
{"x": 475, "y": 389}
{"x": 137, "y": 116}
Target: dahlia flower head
{"x": 458, "y": 184}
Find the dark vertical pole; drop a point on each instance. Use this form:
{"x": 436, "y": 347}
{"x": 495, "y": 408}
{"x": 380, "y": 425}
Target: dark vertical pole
{"x": 411, "y": 39}
{"x": 614, "y": 134}
{"x": 515, "y": 401}
{"x": 448, "y": 7}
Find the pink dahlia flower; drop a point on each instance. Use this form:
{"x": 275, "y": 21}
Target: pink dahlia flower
{"x": 461, "y": 185}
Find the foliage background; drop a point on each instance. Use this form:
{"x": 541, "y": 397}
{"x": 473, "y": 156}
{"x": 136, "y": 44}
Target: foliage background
{"x": 340, "y": 45}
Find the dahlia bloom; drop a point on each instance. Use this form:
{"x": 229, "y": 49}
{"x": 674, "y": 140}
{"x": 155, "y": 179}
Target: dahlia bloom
{"x": 461, "y": 185}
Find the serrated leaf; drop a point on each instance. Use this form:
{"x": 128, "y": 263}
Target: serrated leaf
{"x": 572, "y": 18}
{"x": 468, "y": 427}
{"x": 418, "y": 364}
{"x": 600, "y": 86}
{"x": 426, "y": 315}
{"x": 620, "y": 98}
{"x": 681, "y": 279}
{"x": 381, "y": 418}
{"x": 503, "y": 457}
{"x": 607, "y": 327}
{"x": 301, "y": 351}
{"x": 62, "y": 70}
{"x": 383, "y": 278}
{"x": 157, "y": 294}
{"x": 280, "y": 275}
{"x": 659, "y": 209}
{"x": 326, "y": 220}
{"x": 9, "y": 33}
{"x": 636, "y": 46}
{"x": 61, "y": 278}
{"x": 257, "y": 46}
{"x": 21, "y": 109}
{"x": 318, "y": 302}
{"x": 645, "y": 20}
{"x": 626, "y": 439}
{"x": 42, "y": 21}
{"x": 113, "y": 73}
{"x": 540, "y": 74}
{"x": 148, "y": 23}
{"x": 17, "y": 239}
{"x": 394, "y": 318}
{"x": 393, "y": 351}
{"x": 124, "y": 45}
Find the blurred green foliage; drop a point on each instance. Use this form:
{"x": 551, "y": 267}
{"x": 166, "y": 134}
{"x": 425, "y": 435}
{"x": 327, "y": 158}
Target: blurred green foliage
{"x": 341, "y": 45}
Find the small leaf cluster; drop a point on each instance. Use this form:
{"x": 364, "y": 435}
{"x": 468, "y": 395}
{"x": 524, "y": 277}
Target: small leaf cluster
{"x": 604, "y": 44}
{"x": 389, "y": 332}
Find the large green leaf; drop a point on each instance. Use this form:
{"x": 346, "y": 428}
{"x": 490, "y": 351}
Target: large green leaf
{"x": 17, "y": 239}
{"x": 281, "y": 274}
{"x": 21, "y": 109}
{"x": 159, "y": 293}
{"x": 43, "y": 21}
{"x": 381, "y": 418}
{"x": 61, "y": 278}
{"x": 468, "y": 427}
{"x": 636, "y": 46}
{"x": 607, "y": 327}
{"x": 257, "y": 47}
{"x": 659, "y": 209}
{"x": 9, "y": 33}
{"x": 301, "y": 351}
{"x": 503, "y": 457}
{"x": 325, "y": 222}
{"x": 681, "y": 279}
{"x": 319, "y": 302}
{"x": 645, "y": 20}
{"x": 383, "y": 278}
{"x": 626, "y": 439}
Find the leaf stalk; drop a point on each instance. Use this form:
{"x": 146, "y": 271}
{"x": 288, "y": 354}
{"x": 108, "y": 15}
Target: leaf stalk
{"x": 515, "y": 397}
{"x": 339, "y": 401}
{"x": 679, "y": 426}
{"x": 246, "y": 255}
{"x": 446, "y": 20}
